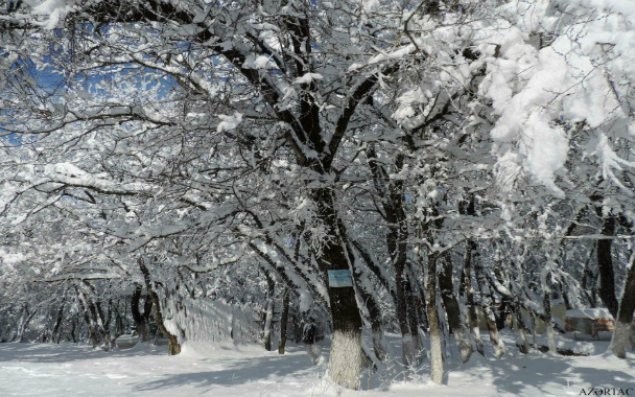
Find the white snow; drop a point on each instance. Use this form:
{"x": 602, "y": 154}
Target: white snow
{"x": 53, "y": 10}
{"x": 369, "y": 5}
{"x": 258, "y": 62}
{"x": 248, "y": 370}
{"x": 385, "y": 56}
{"x": 307, "y": 78}
{"x": 229, "y": 123}
{"x": 346, "y": 359}
{"x": 594, "y": 313}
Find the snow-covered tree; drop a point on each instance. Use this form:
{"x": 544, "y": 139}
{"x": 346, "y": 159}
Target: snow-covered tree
{"x": 384, "y": 164}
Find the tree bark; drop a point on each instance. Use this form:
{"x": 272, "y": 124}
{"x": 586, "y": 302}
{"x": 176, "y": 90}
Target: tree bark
{"x": 284, "y": 321}
{"x": 93, "y": 335}
{"x": 468, "y": 207}
{"x": 551, "y": 334}
{"x": 119, "y": 325}
{"x": 605, "y": 263}
{"x": 391, "y": 197}
{"x": 468, "y": 291}
{"x": 346, "y": 349}
{"x": 624, "y": 334}
{"x": 23, "y": 324}
{"x": 138, "y": 317}
{"x": 93, "y": 317}
{"x": 99, "y": 321}
{"x": 436, "y": 349}
{"x": 58, "y": 324}
{"x": 374, "y": 314}
{"x": 488, "y": 312}
{"x": 71, "y": 332}
{"x": 522, "y": 343}
{"x": 414, "y": 310}
{"x": 453, "y": 309}
{"x": 174, "y": 347}
{"x": 268, "y": 323}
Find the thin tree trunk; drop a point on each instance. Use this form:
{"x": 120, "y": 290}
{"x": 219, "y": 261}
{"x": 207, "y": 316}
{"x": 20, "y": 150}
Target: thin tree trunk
{"x": 551, "y": 334}
{"x": 605, "y": 264}
{"x": 23, "y": 324}
{"x": 453, "y": 310}
{"x": 407, "y": 339}
{"x": 374, "y": 314}
{"x": 138, "y": 317}
{"x": 522, "y": 342}
{"x": 72, "y": 330}
{"x": 589, "y": 280}
{"x": 119, "y": 327}
{"x": 468, "y": 289}
{"x": 391, "y": 195}
{"x": 174, "y": 347}
{"x": 414, "y": 317}
{"x": 372, "y": 307}
{"x": 378, "y": 334}
{"x": 468, "y": 207}
{"x": 99, "y": 322}
{"x": 436, "y": 349}
{"x": 503, "y": 312}
{"x": 268, "y": 323}
{"x": 284, "y": 320}
{"x": 103, "y": 325}
{"x": 624, "y": 334}
{"x": 90, "y": 317}
{"x": 488, "y": 313}
{"x": 58, "y": 324}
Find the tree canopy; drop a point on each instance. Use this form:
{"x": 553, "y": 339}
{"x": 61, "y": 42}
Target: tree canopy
{"x": 448, "y": 157}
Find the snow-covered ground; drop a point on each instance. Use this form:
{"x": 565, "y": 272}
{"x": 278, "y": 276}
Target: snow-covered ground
{"x": 228, "y": 370}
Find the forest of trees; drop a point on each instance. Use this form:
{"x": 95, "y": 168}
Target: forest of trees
{"x": 339, "y": 169}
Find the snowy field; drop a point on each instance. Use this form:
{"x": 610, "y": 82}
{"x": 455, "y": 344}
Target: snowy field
{"x": 225, "y": 371}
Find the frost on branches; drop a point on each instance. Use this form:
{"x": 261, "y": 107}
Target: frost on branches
{"x": 194, "y": 170}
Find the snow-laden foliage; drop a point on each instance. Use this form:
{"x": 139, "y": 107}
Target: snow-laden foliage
{"x": 191, "y": 167}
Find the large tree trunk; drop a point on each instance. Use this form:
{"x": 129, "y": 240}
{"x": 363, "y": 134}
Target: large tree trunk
{"x": 624, "y": 334}
{"x": 346, "y": 348}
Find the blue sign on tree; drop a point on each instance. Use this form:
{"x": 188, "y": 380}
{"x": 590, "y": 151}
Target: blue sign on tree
{"x": 340, "y": 278}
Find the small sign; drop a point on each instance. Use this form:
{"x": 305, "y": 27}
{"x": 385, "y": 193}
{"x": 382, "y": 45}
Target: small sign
{"x": 340, "y": 278}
